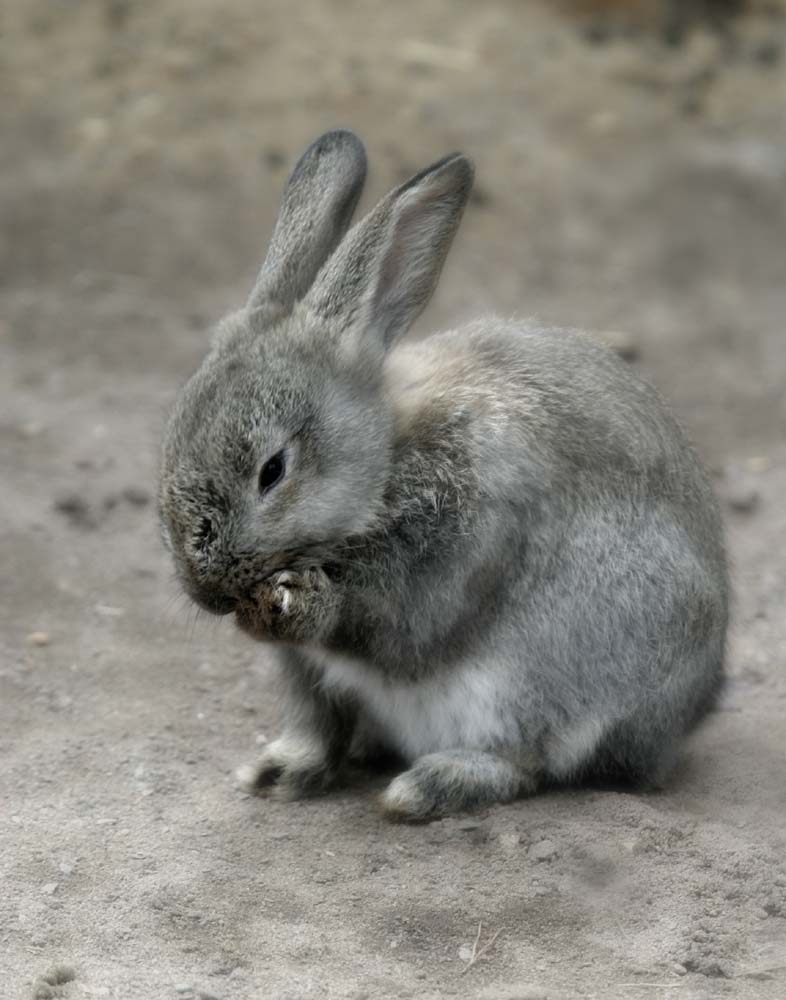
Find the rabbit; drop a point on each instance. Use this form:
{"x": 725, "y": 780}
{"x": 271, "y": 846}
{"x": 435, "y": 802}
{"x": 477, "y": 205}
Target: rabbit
{"x": 491, "y": 552}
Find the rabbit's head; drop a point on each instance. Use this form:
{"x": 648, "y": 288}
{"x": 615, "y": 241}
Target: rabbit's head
{"x": 279, "y": 446}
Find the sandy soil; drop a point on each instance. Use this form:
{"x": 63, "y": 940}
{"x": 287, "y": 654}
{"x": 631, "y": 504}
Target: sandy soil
{"x": 631, "y": 176}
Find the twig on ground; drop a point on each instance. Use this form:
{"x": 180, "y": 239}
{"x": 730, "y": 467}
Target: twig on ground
{"x": 477, "y": 955}
{"x": 765, "y": 970}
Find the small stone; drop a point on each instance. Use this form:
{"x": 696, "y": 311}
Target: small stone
{"x": 109, "y": 611}
{"x": 678, "y": 968}
{"x": 708, "y": 967}
{"x": 39, "y": 639}
{"x": 509, "y": 841}
{"x": 59, "y": 974}
{"x": 544, "y": 850}
{"x": 183, "y": 988}
{"x": 467, "y": 825}
{"x": 50, "y": 888}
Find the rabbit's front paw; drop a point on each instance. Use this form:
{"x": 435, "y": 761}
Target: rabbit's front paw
{"x": 290, "y": 768}
{"x": 292, "y": 606}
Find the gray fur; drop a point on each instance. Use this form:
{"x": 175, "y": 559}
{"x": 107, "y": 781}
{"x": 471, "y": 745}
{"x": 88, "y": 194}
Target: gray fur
{"x": 315, "y": 213}
{"x": 493, "y": 551}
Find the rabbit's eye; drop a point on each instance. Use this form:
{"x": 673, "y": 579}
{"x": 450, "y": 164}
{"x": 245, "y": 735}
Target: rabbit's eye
{"x": 271, "y": 472}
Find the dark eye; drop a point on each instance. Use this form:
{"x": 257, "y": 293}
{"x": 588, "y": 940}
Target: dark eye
{"x": 271, "y": 472}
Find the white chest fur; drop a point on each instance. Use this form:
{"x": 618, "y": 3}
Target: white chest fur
{"x": 462, "y": 709}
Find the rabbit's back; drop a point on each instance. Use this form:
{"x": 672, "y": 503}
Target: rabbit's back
{"x": 554, "y": 414}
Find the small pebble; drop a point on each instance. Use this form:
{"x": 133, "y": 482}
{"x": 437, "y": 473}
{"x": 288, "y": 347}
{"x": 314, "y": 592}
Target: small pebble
{"x": 59, "y": 974}
{"x": 39, "y": 639}
{"x": 544, "y": 850}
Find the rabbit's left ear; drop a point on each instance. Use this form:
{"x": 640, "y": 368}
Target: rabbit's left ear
{"x": 316, "y": 211}
{"x": 385, "y": 271}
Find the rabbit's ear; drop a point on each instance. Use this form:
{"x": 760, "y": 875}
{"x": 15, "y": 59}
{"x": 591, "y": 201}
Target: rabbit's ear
{"x": 383, "y": 274}
{"x": 316, "y": 211}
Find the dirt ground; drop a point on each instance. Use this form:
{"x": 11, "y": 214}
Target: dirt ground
{"x": 631, "y": 168}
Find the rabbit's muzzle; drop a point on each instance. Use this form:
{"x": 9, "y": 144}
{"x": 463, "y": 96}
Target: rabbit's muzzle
{"x": 212, "y": 598}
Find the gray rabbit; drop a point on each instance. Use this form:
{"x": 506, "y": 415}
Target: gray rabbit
{"x": 492, "y": 552}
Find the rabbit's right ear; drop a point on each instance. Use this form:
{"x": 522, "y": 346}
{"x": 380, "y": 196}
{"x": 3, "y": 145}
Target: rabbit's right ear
{"x": 382, "y": 276}
{"x": 316, "y": 211}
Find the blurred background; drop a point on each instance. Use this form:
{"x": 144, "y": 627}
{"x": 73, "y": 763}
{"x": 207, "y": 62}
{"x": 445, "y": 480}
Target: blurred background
{"x": 631, "y": 180}
{"x": 630, "y": 161}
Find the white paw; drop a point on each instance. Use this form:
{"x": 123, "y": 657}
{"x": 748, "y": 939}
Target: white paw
{"x": 246, "y": 776}
{"x": 287, "y": 764}
{"x": 282, "y": 590}
{"x": 404, "y": 798}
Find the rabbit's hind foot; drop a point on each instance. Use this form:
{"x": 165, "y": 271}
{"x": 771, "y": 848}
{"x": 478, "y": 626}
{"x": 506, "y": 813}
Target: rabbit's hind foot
{"x": 455, "y": 780}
